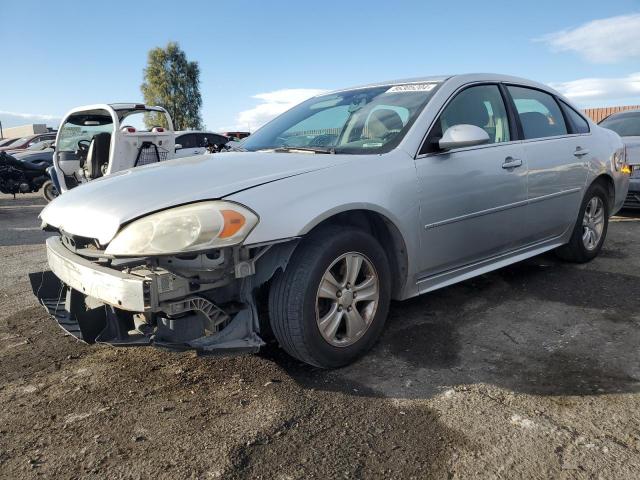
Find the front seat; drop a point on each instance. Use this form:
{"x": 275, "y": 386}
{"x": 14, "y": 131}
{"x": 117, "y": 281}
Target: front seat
{"x": 98, "y": 154}
{"x": 383, "y": 121}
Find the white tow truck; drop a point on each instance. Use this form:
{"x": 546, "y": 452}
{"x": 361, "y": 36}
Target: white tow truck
{"x": 98, "y": 140}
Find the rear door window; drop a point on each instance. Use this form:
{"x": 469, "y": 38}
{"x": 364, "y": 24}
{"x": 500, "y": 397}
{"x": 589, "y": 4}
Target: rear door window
{"x": 207, "y": 139}
{"x": 188, "y": 140}
{"x": 540, "y": 115}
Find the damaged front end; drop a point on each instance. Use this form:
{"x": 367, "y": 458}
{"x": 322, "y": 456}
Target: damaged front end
{"x": 201, "y": 301}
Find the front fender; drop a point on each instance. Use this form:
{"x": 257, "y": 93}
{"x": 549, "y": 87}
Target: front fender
{"x": 386, "y": 184}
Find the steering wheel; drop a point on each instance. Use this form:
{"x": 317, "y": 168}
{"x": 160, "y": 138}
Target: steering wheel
{"x": 83, "y": 145}
{"x": 83, "y": 149}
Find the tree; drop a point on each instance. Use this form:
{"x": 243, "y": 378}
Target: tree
{"x": 173, "y": 82}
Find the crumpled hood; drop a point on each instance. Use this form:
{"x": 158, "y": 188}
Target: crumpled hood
{"x": 98, "y": 209}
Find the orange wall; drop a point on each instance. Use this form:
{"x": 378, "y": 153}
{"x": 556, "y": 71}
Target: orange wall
{"x": 598, "y": 114}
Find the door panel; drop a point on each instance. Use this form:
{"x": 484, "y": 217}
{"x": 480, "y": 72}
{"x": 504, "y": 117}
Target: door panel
{"x": 473, "y": 200}
{"x": 557, "y": 163}
{"x": 67, "y": 162}
{"x": 189, "y": 142}
{"x": 556, "y": 181}
{"x": 471, "y": 208}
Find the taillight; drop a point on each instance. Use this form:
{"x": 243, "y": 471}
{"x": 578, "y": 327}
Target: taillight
{"x": 620, "y": 159}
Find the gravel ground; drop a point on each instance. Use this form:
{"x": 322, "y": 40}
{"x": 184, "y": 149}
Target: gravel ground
{"x": 529, "y": 372}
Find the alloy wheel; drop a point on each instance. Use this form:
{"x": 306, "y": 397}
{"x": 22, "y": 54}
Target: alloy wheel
{"x": 593, "y": 223}
{"x": 347, "y": 299}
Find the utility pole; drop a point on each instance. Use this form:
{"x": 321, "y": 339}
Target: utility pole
{"x": 1, "y": 134}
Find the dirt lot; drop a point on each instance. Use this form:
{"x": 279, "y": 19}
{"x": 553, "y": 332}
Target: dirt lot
{"x": 529, "y": 372}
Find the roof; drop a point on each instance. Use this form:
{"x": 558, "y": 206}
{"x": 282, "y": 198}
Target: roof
{"x": 132, "y": 106}
{"x": 462, "y": 78}
{"x": 181, "y": 132}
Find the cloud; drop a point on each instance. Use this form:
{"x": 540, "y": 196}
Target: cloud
{"x": 608, "y": 40}
{"x": 14, "y": 119}
{"x": 273, "y": 104}
{"x": 590, "y": 90}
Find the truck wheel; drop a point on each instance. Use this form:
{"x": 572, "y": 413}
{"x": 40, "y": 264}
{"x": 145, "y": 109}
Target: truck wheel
{"x": 590, "y": 229}
{"x": 329, "y": 305}
{"x": 49, "y": 190}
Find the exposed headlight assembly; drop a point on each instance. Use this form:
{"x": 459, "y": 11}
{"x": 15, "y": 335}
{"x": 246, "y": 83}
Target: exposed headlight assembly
{"x": 189, "y": 228}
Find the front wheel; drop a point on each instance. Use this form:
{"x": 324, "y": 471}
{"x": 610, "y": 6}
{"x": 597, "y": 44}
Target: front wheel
{"x": 49, "y": 190}
{"x": 590, "y": 229}
{"x": 330, "y": 304}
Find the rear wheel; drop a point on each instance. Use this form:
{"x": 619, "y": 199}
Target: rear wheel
{"x": 330, "y": 304}
{"x": 590, "y": 229}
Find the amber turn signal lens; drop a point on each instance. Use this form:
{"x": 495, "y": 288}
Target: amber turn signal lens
{"x": 625, "y": 169}
{"x": 233, "y": 221}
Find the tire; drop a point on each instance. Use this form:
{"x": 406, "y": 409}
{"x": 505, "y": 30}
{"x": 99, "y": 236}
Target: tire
{"x": 49, "y": 190}
{"x": 576, "y": 250}
{"x": 296, "y": 303}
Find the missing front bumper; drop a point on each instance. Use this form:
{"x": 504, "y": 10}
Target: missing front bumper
{"x": 107, "y": 324}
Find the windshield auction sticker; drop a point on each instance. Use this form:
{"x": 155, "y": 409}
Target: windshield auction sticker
{"x": 412, "y": 87}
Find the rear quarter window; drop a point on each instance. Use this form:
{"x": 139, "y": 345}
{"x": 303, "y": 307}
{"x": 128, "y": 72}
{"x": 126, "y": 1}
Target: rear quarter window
{"x": 579, "y": 124}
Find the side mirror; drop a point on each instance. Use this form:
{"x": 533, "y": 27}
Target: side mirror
{"x": 178, "y": 146}
{"x": 463, "y": 135}
{"x": 53, "y": 147}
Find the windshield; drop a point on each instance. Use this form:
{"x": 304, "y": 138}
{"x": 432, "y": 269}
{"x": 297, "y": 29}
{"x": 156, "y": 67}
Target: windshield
{"x": 40, "y": 145}
{"x": 21, "y": 141}
{"x": 366, "y": 120}
{"x": 624, "y": 124}
{"x": 142, "y": 120}
{"x": 82, "y": 126}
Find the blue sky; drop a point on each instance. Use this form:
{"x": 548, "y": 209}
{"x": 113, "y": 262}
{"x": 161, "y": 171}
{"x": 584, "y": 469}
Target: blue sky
{"x": 257, "y": 58}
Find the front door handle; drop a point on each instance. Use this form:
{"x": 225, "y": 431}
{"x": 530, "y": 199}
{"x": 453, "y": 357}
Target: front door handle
{"x": 580, "y": 152}
{"x": 511, "y": 162}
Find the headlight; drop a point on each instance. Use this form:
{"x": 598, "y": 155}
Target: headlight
{"x": 195, "y": 227}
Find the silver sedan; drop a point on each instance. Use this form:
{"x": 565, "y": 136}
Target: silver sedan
{"x": 347, "y": 201}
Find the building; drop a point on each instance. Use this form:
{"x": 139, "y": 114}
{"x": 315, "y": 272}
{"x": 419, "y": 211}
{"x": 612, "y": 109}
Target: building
{"x": 598, "y": 114}
{"x": 24, "y": 130}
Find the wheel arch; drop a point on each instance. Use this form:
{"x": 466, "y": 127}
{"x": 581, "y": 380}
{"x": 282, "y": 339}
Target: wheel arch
{"x": 607, "y": 182}
{"x": 383, "y": 229}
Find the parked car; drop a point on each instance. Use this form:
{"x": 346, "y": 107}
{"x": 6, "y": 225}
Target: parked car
{"x": 237, "y": 136}
{"x": 7, "y": 141}
{"x": 344, "y": 202}
{"x": 41, "y": 152}
{"x": 25, "y": 142}
{"x": 627, "y": 125}
{"x": 190, "y": 143}
{"x": 98, "y": 140}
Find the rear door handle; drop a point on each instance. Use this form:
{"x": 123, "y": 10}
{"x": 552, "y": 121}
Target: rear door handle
{"x": 511, "y": 162}
{"x": 580, "y": 152}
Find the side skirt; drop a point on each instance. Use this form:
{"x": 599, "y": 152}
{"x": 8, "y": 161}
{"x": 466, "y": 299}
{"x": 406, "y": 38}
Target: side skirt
{"x": 444, "y": 279}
